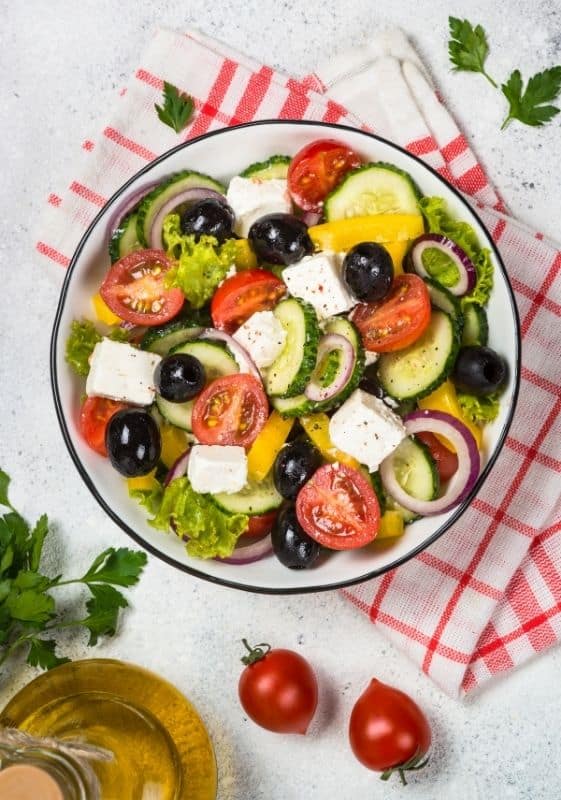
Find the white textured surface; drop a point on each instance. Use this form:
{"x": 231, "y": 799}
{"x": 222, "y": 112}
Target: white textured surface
{"x": 62, "y": 63}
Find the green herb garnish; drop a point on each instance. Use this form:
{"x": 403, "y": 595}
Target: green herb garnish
{"x": 177, "y": 108}
{"x": 531, "y": 105}
{"x": 468, "y": 47}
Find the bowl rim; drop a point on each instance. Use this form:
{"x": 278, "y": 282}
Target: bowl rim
{"x": 187, "y": 568}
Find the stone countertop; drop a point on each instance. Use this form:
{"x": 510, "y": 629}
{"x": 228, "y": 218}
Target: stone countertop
{"x": 62, "y": 63}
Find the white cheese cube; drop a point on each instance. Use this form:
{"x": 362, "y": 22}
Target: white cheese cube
{"x": 317, "y": 280}
{"x": 122, "y": 372}
{"x": 370, "y": 357}
{"x": 365, "y": 428}
{"x": 251, "y": 198}
{"x": 217, "y": 468}
{"x": 263, "y": 337}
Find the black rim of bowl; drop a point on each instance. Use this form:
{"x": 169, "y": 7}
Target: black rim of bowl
{"x": 237, "y": 584}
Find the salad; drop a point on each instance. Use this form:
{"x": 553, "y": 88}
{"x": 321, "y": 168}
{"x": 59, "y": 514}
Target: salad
{"x": 292, "y": 364}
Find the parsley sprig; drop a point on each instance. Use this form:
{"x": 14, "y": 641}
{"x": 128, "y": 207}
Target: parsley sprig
{"x": 28, "y": 612}
{"x": 468, "y": 47}
{"x": 177, "y": 108}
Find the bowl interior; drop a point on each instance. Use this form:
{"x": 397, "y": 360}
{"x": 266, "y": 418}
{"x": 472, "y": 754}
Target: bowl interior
{"x": 223, "y": 154}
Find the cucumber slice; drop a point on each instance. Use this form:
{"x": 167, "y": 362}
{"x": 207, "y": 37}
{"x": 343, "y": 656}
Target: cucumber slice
{"x": 162, "y": 340}
{"x": 476, "y": 327}
{"x": 258, "y": 497}
{"x": 444, "y": 300}
{"x": 416, "y": 472}
{"x": 158, "y": 197}
{"x": 419, "y": 369}
{"x": 345, "y": 327}
{"x": 216, "y": 360}
{"x": 274, "y": 167}
{"x": 297, "y": 406}
{"x": 373, "y": 189}
{"x": 291, "y": 371}
{"x": 124, "y": 239}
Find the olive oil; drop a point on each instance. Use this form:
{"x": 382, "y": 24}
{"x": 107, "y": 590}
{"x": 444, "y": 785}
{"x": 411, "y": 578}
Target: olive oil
{"x": 160, "y": 747}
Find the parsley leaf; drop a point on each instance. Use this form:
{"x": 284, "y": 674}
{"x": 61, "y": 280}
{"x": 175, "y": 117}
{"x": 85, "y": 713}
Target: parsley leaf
{"x": 177, "y": 108}
{"x": 468, "y": 47}
{"x": 30, "y": 605}
{"x": 120, "y": 567}
{"x": 4, "y": 483}
{"x": 103, "y": 609}
{"x": 530, "y": 106}
{"x": 42, "y": 654}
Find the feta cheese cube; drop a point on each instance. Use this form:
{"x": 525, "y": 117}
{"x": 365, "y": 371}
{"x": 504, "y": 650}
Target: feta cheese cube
{"x": 217, "y": 468}
{"x": 122, "y": 372}
{"x": 365, "y": 428}
{"x": 251, "y": 198}
{"x": 370, "y": 357}
{"x": 317, "y": 280}
{"x": 263, "y": 337}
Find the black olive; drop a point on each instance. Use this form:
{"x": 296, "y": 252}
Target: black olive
{"x": 280, "y": 239}
{"x": 294, "y": 466}
{"x": 179, "y": 377}
{"x": 479, "y": 370}
{"x": 368, "y": 271}
{"x": 370, "y": 383}
{"x": 133, "y": 442}
{"x": 291, "y": 544}
{"x": 210, "y": 217}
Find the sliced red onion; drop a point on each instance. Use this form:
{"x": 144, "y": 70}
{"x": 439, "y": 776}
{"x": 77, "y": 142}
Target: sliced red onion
{"x": 178, "y": 469}
{"x": 192, "y": 195}
{"x": 249, "y": 553}
{"x": 468, "y": 274}
{"x": 332, "y": 341}
{"x": 241, "y": 355}
{"x": 311, "y": 218}
{"x": 463, "y": 480}
{"x": 127, "y": 205}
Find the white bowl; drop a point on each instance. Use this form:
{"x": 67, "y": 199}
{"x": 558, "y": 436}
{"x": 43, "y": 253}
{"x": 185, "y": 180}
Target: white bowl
{"x": 222, "y": 154}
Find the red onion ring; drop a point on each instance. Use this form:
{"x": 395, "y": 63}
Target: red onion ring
{"x": 468, "y": 273}
{"x": 240, "y": 354}
{"x": 178, "y": 469}
{"x": 192, "y": 195}
{"x": 127, "y": 205}
{"x": 249, "y": 553}
{"x": 311, "y": 218}
{"x": 463, "y": 480}
{"x": 332, "y": 341}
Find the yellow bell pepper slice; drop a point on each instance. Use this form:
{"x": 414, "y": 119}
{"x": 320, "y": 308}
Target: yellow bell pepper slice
{"x": 103, "y": 312}
{"x": 317, "y": 428}
{"x": 445, "y": 399}
{"x": 397, "y": 251}
{"x": 144, "y": 483}
{"x": 174, "y": 444}
{"x": 342, "y": 234}
{"x": 245, "y": 257}
{"x": 267, "y": 445}
{"x": 391, "y": 525}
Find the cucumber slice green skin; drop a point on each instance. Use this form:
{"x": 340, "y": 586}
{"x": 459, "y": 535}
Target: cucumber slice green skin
{"x": 421, "y": 476}
{"x": 376, "y": 482}
{"x": 162, "y": 340}
{"x": 351, "y": 197}
{"x": 419, "y": 369}
{"x": 124, "y": 239}
{"x": 345, "y": 327}
{"x": 297, "y": 406}
{"x": 443, "y": 299}
{"x": 476, "y": 327}
{"x": 274, "y": 167}
{"x": 291, "y": 371}
{"x": 257, "y": 498}
{"x": 216, "y": 360}
{"x": 155, "y": 200}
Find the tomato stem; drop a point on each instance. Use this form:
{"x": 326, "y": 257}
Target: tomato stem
{"x": 255, "y": 653}
{"x": 415, "y": 763}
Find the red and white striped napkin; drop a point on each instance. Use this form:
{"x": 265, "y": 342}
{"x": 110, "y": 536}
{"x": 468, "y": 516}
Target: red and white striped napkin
{"x": 486, "y": 596}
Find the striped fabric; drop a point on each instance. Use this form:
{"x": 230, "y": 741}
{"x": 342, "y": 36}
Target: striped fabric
{"x": 487, "y": 596}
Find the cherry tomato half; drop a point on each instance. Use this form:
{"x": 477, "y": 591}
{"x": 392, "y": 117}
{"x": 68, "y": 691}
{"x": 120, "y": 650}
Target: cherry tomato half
{"x": 278, "y": 689}
{"x": 260, "y": 525}
{"x": 134, "y": 289}
{"x": 316, "y": 169}
{"x": 230, "y": 410}
{"x": 396, "y": 321}
{"x": 388, "y": 731}
{"x": 242, "y": 295}
{"x": 446, "y": 460}
{"x": 94, "y": 418}
{"x": 338, "y": 508}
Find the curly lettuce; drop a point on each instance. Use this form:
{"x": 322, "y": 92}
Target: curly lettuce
{"x": 479, "y": 410}
{"x": 151, "y": 499}
{"x": 200, "y": 266}
{"x": 208, "y": 531}
{"x": 82, "y": 340}
{"x": 439, "y": 221}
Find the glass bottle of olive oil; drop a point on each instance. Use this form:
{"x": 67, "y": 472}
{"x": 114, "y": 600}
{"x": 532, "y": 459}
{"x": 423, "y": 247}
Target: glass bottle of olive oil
{"x": 160, "y": 748}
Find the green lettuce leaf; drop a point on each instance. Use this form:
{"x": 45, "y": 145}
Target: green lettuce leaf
{"x": 479, "y": 409}
{"x": 80, "y": 345}
{"x": 201, "y": 265}
{"x": 151, "y": 499}
{"x": 439, "y": 221}
{"x": 210, "y": 531}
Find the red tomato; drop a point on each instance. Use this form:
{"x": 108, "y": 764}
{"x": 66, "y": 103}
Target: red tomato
{"x": 316, "y": 169}
{"x": 230, "y": 410}
{"x": 388, "y": 732}
{"x": 94, "y": 417}
{"x": 242, "y": 295}
{"x": 396, "y": 321}
{"x": 260, "y": 525}
{"x": 446, "y": 460}
{"x": 278, "y": 689}
{"x": 134, "y": 289}
{"x": 338, "y": 508}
